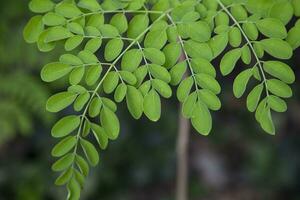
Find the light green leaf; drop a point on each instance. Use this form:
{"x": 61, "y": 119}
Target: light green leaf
{"x": 177, "y": 72}
{"x": 76, "y": 75}
{"x": 266, "y": 121}
{"x": 63, "y": 163}
{"x": 280, "y": 70}
{"x": 254, "y": 97}
{"x": 172, "y": 53}
{"x": 33, "y": 29}
{"x": 277, "y": 48}
{"x": 100, "y": 136}
{"x": 162, "y": 88}
{"x": 64, "y": 146}
{"x": 53, "y": 19}
{"x": 93, "y": 45}
{"x": 54, "y": 71}
{"x": 202, "y": 121}
{"x": 73, "y": 42}
{"x": 81, "y": 100}
{"x": 235, "y": 37}
{"x": 156, "y": 39}
{"x": 229, "y": 61}
{"x": 272, "y": 28}
{"x": 94, "y": 108}
{"x": 207, "y": 82}
{"x": 93, "y": 74}
{"x": 110, "y": 82}
{"x": 199, "y": 31}
{"x": 82, "y": 165}
{"x": 113, "y": 49}
{"x": 134, "y": 101}
{"x": 240, "y": 83}
{"x": 155, "y": 56}
{"x": 41, "y": 6}
{"x": 152, "y": 106}
{"x": 293, "y": 37}
{"x": 210, "y": 99}
{"x": 137, "y": 25}
{"x": 68, "y": 10}
{"x": 65, "y": 126}
{"x": 57, "y": 33}
{"x": 64, "y": 178}
{"x": 159, "y": 72}
{"x": 188, "y": 106}
{"x": 110, "y": 123}
{"x": 120, "y": 93}
{"x": 184, "y": 89}
{"x": 131, "y": 60}
{"x": 90, "y": 152}
{"x": 276, "y": 103}
{"x": 60, "y": 101}
{"x": 91, "y": 5}
{"x": 119, "y": 21}
{"x": 279, "y": 88}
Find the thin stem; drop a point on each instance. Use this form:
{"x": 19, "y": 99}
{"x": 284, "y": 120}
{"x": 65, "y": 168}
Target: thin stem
{"x": 249, "y": 43}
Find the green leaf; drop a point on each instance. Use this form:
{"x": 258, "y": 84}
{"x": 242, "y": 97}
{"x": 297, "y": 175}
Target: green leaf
{"x": 63, "y": 163}
{"x": 54, "y": 71}
{"x": 88, "y": 57}
{"x": 70, "y": 59}
{"x": 240, "y": 83}
{"x": 250, "y": 30}
{"x": 198, "y": 50}
{"x": 91, "y": 5}
{"x": 293, "y": 37}
{"x": 81, "y": 101}
{"x": 100, "y": 136}
{"x": 93, "y": 45}
{"x": 64, "y": 146}
{"x": 90, "y": 152}
{"x": 131, "y": 60}
{"x": 60, "y": 101}
{"x": 95, "y": 106}
{"x": 156, "y": 39}
{"x": 42, "y": 45}
{"x": 93, "y": 74}
{"x": 235, "y": 37}
{"x": 53, "y": 19}
{"x": 110, "y": 82}
{"x": 152, "y": 106}
{"x": 119, "y": 21}
{"x": 73, "y": 42}
{"x": 266, "y": 121}
{"x": 279, "y": 88}
{"x": 218, "y": 44}
{"x": 229, "y": 61}
{"x": 96, "y": 20}
{"x": 202, "y": 121}
{"x": 64, "y": 178}
{"x": 108, "y": 30}
{"x": 199, "y": 31}
{"x": 33, "y": 29}
{"x": 184, "y": 88}
{"x": 73, "y": 189}
{"x": 113, "y": 49}
{"x": 68, "y": 10}
{"x": 120, "y": 93}
{"x": 128, "y": 77}
{"x": 283, "y": 11}
{"x": 207, "y": 82}
{"x": 110, "y": 123}
{"x": 75, "y": 28}
{"x": 296, "y": 5}
{"x": 272, "y": 28}
{"x": 254, "y": 97}
{"x": 155, "y": 56}
{"x": 137, "y": 25}
{"x": 177, "y": 72}
{"x": 41, "y": 6}
{"x": 172, "y": 53}
{"x": 57, "y": 33}
{"x": 246, "y": 55}
{"x": 159, "y": 72}
{"x": 134, "y": 100}
{"x": 76, "y": 75}
{"x": 65, "y": 126}
{"x": 277, "y": 48}
{"x": 82, "y": 165}
{"x": 276, "y": 103}
{"x": 162, "y": 88}
{"x": 280, "y": 70}
{"x": 200, "y": 65}
{"x": 239, "y": 12}
{"x": 188, "y": 106}
{"x": 210, "y": 99}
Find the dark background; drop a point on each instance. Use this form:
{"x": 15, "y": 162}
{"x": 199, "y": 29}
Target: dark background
{"x": 238, "y": 161}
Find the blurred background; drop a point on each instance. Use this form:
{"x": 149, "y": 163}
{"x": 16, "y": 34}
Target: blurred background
{"x": 237, "y": 162}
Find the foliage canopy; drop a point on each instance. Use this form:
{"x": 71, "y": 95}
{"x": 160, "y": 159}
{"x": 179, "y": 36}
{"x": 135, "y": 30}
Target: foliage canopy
{"x": 135, "y": 50}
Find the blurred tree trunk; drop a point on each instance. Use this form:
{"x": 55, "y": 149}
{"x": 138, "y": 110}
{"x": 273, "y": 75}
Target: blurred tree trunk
{"x": 182, "y": 158}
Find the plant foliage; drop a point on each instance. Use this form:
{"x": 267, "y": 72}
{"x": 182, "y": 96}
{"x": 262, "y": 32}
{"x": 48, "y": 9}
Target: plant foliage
{"x": 135, "y": 50}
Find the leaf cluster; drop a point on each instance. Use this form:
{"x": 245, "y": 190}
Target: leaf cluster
{"x": 135, "y": 50}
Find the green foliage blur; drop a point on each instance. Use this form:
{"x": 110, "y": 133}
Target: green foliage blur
{"x": 237, "y": 162}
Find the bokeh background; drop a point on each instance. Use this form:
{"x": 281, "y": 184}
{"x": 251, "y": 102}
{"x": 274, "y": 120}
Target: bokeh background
{"x": 237, "y": 162}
